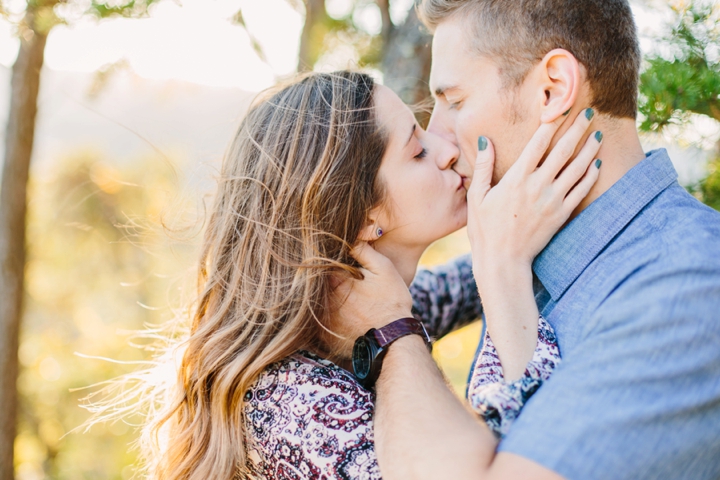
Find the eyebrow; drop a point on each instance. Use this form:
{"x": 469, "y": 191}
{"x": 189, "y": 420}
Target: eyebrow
{"x": 441, "y": 90}
{"x": 412, "y": 132}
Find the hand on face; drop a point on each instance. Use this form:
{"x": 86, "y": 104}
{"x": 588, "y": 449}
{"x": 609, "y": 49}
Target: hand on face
{"x": 509, "y": 224}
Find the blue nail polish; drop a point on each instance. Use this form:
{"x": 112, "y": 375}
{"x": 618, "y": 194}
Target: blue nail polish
{"x": 589, "y": 113}
{"x": 598, "y": 136}
{"x": 598, "y": 162}
{"x": 482, "y": 143}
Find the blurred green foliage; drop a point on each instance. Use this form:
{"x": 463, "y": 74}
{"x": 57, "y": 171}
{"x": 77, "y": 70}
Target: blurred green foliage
{"x": 331, "y": 30}
{"x": 686, "y": 79}
{"x": 682, "y": 80}
{"x": 125, "y": 8}
{"x": 708, "y": 191}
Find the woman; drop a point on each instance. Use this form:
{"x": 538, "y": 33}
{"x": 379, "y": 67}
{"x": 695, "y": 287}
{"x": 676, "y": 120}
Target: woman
{"x": 315, "y": 167}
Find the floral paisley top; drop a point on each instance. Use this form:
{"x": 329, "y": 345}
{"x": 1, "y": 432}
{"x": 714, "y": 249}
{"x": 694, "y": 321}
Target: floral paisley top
{"x": 307, "y": 418}
{"x": 499, "y": 403}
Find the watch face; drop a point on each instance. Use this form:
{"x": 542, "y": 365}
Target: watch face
{"x": 362, "y": 358}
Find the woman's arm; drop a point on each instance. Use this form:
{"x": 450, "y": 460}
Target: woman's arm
{"x": 510, "y": 224}
{"x": 446, "y": 297}
{"x": 511, "y": 314}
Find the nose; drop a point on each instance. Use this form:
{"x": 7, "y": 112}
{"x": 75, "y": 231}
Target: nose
{"x": 448, "y": 153}
{"x": 439, "y": 125}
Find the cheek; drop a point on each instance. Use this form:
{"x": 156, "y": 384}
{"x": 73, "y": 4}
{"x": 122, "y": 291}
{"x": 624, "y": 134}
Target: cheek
{"x": 469, "y": 128}
{"x": 411, "y": 196}
{"x": 422, "y": 195}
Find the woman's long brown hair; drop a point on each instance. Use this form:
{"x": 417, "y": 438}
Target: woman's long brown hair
{"x": 297, "y": 183}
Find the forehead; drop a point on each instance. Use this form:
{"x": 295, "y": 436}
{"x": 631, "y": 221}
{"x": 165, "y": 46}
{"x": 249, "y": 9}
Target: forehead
{"x": 453, "y": 62}
{"x": 391, "y": 111}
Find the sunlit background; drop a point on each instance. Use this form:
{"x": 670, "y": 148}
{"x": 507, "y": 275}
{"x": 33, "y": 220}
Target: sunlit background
{"x": 134, "y": 115}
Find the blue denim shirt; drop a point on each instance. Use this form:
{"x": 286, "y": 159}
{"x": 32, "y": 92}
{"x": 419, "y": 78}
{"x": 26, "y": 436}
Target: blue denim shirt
{"x": 632, "y": 288}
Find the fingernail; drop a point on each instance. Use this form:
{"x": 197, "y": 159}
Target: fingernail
{"x": 589, "y": 113}
{"x": 482, "y": 143}
{"x": 598, "y": 162}
{"x": 565, "y": 114}
{"x": 598, "y": 136}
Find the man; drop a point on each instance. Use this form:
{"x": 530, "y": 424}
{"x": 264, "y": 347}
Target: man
{"x": 631, "y": 285}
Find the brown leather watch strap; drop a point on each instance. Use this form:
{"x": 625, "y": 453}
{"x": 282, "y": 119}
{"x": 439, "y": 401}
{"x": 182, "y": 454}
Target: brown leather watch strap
{"x": 399, "y": 328}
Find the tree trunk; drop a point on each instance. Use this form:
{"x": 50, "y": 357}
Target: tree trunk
{"x": 315, "y": 14}
{"x": 387, "y": 23}
{"x": 19, "y": 137}
{"x": 406, "y": 61}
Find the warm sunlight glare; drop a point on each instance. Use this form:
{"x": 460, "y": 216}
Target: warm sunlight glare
{"x": 192, "y": 40}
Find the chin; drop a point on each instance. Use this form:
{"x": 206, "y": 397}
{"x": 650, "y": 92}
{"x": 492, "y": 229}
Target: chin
{"x": 460, "y": 223}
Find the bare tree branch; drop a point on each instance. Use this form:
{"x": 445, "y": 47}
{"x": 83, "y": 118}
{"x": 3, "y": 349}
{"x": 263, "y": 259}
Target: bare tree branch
{"x": 387, "y": 23}
{"x": 315, "y": 14}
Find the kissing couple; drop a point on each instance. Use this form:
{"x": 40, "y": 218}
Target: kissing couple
{"x": 596, "y": 274}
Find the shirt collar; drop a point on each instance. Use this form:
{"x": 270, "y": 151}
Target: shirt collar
{"x": 582, "y": 240}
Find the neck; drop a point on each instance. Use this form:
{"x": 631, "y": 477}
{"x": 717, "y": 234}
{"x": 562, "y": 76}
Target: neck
{"x": 404, "y": 258}
{"x": 621, "y": 151}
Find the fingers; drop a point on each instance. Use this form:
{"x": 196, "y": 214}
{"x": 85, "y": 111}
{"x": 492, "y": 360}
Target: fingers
{"x": 535, "y": 150}
{"x": 537, "y": 147}
{"x": 579, "y": 166}
{"x": 368, "y": 257}
{"x": 484, "y": 163}
{"x": 566, "y": 146}
{"x": 582, "y": 189}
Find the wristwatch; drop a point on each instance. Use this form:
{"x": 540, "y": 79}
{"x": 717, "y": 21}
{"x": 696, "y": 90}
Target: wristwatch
{"x": 370, "y": 349}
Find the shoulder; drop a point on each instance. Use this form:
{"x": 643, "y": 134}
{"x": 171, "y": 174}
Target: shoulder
{"x": 660, "y": 277}
{"x": 458, "y": 267}
{"x": 307, "y": 369}
{"x": 684, "y": 224}
{"x": 672, "y": 244}
{"x": 305, "y": 384}
{"x": 310, "y": 415}
{"x": 445, "y": 288}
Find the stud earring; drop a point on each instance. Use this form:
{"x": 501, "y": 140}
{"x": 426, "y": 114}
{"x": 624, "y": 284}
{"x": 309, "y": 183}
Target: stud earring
{"x": 379, "y": 232}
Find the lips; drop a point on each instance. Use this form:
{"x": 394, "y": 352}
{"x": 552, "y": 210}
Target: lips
{"x": 462, "y": 182}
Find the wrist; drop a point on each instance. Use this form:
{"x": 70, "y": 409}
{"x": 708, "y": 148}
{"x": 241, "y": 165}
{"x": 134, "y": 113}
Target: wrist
{"x": 405, "y": 351}
{"x": 392, "y": 315}
{"x": 370, "y": 349}
{"x": 505, "y": 275}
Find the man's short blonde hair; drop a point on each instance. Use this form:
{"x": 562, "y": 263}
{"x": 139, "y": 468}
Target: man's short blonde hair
{"x": 516, "y": 34}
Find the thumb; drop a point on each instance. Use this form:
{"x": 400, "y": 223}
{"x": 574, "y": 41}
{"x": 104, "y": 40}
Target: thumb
{"x": 484, "y": 163}
{"x": 368, "y": 257}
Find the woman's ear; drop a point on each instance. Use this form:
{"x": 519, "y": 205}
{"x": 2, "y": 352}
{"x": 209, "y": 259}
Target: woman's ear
{"x": 561, "y": 78}
{"x": 372, "y": 230}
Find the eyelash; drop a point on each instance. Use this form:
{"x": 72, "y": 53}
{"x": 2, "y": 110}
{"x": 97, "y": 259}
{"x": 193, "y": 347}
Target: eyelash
{"x": 422, "y": 154}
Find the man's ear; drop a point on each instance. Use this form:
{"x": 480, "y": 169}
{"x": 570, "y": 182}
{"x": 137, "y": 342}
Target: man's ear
{"x": 560, "y": 72}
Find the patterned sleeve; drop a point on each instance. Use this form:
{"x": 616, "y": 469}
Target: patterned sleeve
{"x": 499, "y": 403}
{"x": 308, "y": 418}
{"x": 446, "y": 298}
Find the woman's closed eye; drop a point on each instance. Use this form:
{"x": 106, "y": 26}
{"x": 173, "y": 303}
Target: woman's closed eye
{"x": 422, "y": 154}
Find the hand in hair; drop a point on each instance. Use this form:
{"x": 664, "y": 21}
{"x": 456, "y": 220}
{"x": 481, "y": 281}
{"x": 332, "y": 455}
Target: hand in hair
{"x": 357, "y": 305}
